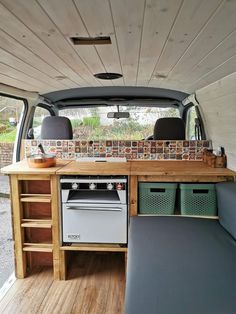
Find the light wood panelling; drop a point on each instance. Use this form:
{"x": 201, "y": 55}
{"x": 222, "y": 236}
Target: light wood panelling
{"x": 219, "y": 89}
{"x": 191, "y": 17}
{"x": 227, "y": 67}
{"x": 23, "y": 67}
{"x": 48, "y": 33}
{"x": 24, "y": 53}
{"x": 18, "y": 75}
{"x": 128, "y": 20}
{"x": 218, "y": 104}
{"x": 158, "y": 20}
{"x": 213, "y": 44}
{"x": 4, "y": 79}
{"x": 224, "y": 51}
{"x": 191, "y": 43}
{"x": 66, "y": 18}
{"x": 102, "y": 25}
{"x": 17, "y": 29}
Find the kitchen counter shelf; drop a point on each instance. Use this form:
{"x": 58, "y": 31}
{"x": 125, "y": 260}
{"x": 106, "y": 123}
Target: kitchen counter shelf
{"x": 36, "y": 198}
{"x": 94, "y": 247}
{"x": 36, "y": 223}
{"x": 37, "y": 247}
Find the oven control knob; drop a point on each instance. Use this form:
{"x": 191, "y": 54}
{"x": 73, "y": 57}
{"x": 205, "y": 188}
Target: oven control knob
{"x": 92, "y": 186}
{"x": 75, "y": 186}
{"x": 110, "y": 186}
{"x": 119, "y": 186}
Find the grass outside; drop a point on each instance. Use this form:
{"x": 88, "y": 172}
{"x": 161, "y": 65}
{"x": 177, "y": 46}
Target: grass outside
{"x": 7, "y": 132}
{"x": 8, "y": 137}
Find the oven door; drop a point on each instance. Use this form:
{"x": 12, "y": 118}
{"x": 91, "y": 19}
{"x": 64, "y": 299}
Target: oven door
{"x": 94, "y": 223}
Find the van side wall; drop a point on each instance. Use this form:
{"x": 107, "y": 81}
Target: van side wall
{"x": 218, "y": 105}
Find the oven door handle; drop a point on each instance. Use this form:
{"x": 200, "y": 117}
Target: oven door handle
{"x": 110, "y": 209}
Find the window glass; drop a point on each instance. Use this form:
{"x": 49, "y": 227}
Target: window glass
{"x": 191, "y": 116}
{"x": 93, "y": 123}
{"x": 39, "y": 114}
{"x": 10, "y": 112}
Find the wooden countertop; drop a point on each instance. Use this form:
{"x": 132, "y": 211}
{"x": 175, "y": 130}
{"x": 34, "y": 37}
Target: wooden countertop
{"x": 22, "y": 167}
{"x": 138, "y": 168}
{"x": 196, "y": 168}
{"x": 96, "y": 168}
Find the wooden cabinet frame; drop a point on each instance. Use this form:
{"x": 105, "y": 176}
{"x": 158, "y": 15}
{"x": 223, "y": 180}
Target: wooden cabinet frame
{"x": 138, "y": 171}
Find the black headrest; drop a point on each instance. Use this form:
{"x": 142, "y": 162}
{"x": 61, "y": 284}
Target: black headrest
{"x": 169, "y": 129}
{"x": 56, "y": 128}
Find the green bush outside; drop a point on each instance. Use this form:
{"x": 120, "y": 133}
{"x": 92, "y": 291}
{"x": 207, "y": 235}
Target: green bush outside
{"x": 8, "y": 137}
{"x": 93, "y": 122}
{"x": 7, "y": 132}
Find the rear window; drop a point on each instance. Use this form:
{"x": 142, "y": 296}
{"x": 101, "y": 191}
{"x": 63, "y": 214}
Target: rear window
{"x": 93, "y": 124}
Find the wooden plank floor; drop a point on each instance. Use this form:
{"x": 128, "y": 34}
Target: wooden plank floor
{"x": 95, "y": 285}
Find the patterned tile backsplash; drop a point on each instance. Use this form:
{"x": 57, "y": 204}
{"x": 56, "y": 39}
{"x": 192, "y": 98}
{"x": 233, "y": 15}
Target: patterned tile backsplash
{"x": 150, "y": 150}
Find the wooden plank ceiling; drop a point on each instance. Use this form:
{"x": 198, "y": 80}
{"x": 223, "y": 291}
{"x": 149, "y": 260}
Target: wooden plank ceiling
{"x": 177, "y": 44}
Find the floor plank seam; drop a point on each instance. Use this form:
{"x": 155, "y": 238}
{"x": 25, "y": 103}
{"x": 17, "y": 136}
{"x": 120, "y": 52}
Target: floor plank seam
{"x": 86, "y": 274}
{"x": 44, "y": 296}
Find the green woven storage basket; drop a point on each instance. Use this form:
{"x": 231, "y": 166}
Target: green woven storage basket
{"x": 157, "y": 198}
{"x": 198, "y": 199}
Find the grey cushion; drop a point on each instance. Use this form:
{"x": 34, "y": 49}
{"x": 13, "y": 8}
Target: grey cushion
{"x": 56, "y": 128}
{"x": 169, "y": 129}
{"x": 226, "y": 198}
{"x": 179, "y": 265}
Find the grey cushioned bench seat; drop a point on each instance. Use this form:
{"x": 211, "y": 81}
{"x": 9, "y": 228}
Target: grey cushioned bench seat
{"x": 180, "y": 265}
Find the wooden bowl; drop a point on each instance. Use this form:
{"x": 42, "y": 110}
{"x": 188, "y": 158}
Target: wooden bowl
{"x": 41, "y": 161}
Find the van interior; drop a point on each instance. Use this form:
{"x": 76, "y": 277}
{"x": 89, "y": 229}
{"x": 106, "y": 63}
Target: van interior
{"x": 122, "y": 175}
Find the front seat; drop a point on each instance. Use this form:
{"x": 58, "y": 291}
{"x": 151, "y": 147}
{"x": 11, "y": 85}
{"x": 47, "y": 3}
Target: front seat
{"x": 169, "y": 129}
{"x": 56, "y": 128}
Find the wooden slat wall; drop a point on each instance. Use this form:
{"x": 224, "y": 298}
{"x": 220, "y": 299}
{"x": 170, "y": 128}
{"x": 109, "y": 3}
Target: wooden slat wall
{"x": 158, "y": 21}
{"x": 218, "y": 103}
{"x": 102, "y": 25}
{"x": 191, "y": 17}
{"x": 128, "y": 20}
{"x": 192, "y": 43}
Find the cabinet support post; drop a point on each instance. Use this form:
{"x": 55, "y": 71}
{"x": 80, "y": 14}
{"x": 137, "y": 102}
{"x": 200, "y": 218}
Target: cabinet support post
{"x": 133, "y": 195}
{"x": 18, "y": 234}
{"x": 55, "y": 208}
{"x": 63, "y": 265}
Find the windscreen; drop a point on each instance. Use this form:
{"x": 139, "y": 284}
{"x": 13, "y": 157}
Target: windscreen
{"x": 93, "y": 123}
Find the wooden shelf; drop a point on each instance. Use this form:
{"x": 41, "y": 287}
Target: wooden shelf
{"x": 178, "y": 215}
{"x": 36, "y": 198}
{"x": 94, "y": 247}
{"x": 36, "y": 223}
{"x": 37, "y": 247}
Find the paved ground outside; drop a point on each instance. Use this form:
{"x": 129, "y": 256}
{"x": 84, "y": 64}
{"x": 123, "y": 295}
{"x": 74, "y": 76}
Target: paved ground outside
{"x": 6, "y": 242}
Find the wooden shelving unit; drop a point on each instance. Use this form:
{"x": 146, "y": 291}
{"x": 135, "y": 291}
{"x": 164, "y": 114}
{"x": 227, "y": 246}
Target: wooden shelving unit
{"x": 94, "y": 247}
{"x": 36, "y": 198}
{"x": 31, "y": 230}
{"x": 30, "y": 219}
{"x": 37, "y": 247}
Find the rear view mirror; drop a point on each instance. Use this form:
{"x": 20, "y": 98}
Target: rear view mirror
{"x": 118, "y": 115}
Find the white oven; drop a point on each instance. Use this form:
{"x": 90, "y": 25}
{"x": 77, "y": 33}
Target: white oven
{"x": 94, "y": 209}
